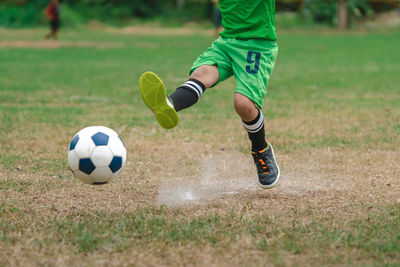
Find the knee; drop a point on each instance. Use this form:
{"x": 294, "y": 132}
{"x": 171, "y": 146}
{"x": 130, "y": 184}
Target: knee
{"x": 245, "y": 108}
{"x": 207, "y": 74}
{"x": 199, "y": 73}
{"x": 242, "y": 108}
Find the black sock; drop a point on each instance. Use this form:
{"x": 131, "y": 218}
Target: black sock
{"x": 255, "y": 129}
{"x": 187, "y": 94}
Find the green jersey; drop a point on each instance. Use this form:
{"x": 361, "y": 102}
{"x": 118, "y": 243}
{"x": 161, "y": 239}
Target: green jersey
{"x": 248, "y": 19}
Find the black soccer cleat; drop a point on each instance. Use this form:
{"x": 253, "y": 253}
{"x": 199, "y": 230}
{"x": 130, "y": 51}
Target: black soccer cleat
{"x": 267, "y": 168}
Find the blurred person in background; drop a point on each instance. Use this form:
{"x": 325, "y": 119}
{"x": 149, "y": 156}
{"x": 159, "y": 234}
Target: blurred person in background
{"x": 52, "y": 12}
{"x": 216, "y": 17}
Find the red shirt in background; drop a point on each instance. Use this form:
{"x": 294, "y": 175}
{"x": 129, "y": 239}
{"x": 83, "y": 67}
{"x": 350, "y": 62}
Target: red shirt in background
{"x": 51, "y": 12}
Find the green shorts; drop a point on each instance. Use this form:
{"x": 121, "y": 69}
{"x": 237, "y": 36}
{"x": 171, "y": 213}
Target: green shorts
{"x": 250, "y": 61}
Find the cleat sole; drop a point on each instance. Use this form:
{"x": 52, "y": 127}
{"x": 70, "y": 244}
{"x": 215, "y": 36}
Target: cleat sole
{"x": 154, "y": 96}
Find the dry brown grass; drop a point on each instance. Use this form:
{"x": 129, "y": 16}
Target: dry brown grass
{"x": 327, "y": 184}
{"x": 340, "y": 167}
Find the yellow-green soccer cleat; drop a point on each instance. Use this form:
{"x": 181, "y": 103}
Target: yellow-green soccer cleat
{"x": 155, "y": 97}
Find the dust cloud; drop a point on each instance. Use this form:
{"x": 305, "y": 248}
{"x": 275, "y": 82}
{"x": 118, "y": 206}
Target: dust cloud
{"x": 220, "y": 175}
{"x": 227, "y": 174}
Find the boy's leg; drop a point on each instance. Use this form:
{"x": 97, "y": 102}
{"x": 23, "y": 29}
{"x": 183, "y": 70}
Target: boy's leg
{"x": 211, "y": 67}
{"x": 261, "y": 150}
{"x": 165, "y": 108}
{"x": 253, "y": 61}
{"x": 190, "y": 92}
{"x": 253, "y": 121}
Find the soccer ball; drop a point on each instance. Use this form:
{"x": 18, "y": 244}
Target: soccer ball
{"x": 96, "y": 155}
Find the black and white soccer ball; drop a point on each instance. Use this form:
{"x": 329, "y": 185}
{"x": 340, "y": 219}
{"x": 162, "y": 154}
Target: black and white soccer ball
{"x": 96, "y": 155}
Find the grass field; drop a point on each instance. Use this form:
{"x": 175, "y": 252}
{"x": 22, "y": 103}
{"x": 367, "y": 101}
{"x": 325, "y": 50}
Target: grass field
{"x": 188, "y": 196}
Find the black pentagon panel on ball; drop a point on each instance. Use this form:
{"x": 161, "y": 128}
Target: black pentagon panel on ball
{"x": 86, "y": 166}
{"x": 100, "y": 139}
{"x": 115, "y": 164}
{"x": 74, "y": 142}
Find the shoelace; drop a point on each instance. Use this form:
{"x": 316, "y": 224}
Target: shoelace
{"x": 260, "y": 163}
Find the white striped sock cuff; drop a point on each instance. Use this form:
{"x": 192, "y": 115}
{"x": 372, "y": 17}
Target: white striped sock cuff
{"x": 195, "y": 87}
{"x": 255, "y": 127}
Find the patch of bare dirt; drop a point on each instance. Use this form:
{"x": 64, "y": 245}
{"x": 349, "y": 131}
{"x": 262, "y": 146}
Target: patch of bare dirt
{"x": 391, "y": 19}
{"x": 56, "y": 44}
{"x": 371, "y": 175}
{"x": 160, "y": 31}
{"x": 220, "y": 175}
{"x": 171, "y": 174}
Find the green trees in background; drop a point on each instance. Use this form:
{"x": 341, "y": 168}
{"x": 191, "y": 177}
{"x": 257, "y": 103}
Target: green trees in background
{"x": 326, "y": 11}
{"x": 20, "y": 13}
{"x": 28, "y": 13}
